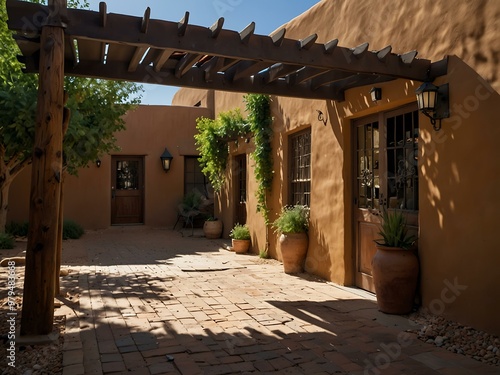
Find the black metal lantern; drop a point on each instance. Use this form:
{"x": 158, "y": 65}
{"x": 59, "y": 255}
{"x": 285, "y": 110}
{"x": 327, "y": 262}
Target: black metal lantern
{"x": 166, "y": 160}
{"x": 433, "y": 102}
{"x": 98, "y": 163}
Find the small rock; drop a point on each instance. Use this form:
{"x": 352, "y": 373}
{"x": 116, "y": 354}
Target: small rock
{"x": 37, "y": 367}
{"x": 439, "y": 340}
{"x": 490, "y": 348}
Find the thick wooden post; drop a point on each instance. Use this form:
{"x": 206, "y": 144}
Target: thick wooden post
{"x": 38, "y": 299}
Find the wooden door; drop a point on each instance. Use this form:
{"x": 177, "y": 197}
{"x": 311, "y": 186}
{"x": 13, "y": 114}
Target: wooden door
{"x": 386, "y": 176}
{"x": 240, "y": 183}
{"x": 127, "y": 190}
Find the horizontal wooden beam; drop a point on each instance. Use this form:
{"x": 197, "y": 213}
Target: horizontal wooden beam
{"x": 122, "y": 29}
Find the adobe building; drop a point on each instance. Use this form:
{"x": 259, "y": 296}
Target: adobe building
{"x": 359, "y": 155}
{"x": 446, "y": 186}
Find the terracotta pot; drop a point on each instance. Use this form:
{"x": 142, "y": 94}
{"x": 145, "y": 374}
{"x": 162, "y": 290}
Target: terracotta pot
{"x": 395, "y": 277}
{"x": 293, "y": 251}
{"x": 240, "y": 246}
{"x": 212, "y": 229}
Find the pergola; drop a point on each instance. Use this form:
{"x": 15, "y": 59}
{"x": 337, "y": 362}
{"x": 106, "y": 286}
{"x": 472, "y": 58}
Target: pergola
{"x": 56, "y": 41}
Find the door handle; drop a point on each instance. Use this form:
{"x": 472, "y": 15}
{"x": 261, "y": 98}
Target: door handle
{"x": 113, "y": 193}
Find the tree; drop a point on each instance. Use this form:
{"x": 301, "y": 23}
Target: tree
{"x": 97, "y": 107}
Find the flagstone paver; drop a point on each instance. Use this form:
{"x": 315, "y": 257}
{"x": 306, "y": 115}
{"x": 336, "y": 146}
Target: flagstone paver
{"x": 154, "y": 302}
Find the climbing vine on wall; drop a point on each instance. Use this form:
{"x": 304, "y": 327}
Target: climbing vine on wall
{"x": 213, "y": 136}
{"x": 260, "y": 120}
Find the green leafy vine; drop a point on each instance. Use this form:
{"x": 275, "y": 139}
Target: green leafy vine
{"x": 213, "y": 136}
{"x": 260, "y": 120}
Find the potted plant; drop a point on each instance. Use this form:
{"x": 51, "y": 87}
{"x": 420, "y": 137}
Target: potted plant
{"x": 395, "y": 265}
{"x": 240, "y": 235}
{"x": 292, "y": 224}
{"x": 212, "y": 228}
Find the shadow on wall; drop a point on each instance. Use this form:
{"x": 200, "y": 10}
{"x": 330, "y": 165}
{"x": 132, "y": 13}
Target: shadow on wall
{"x": 318, "y": 261}
{"x": 460, "y": 175}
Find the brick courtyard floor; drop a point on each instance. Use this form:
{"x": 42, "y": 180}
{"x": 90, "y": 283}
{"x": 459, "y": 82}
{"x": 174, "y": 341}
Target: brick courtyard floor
{"x": 154, "y": 302}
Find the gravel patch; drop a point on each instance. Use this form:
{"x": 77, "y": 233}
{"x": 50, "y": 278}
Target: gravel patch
{"x": 456, "y": 338}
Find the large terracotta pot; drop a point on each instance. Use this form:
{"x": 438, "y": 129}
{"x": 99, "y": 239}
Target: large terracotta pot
{"x": 395, "y": 276}
{"x": 293, "y": 251}
{"x": 240, "y": 246}
{"x": 212, "y": 229}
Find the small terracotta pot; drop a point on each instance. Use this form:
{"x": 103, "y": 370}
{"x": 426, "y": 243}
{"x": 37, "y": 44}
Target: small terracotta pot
{"x": 395, "y": 277}
{"x": 240, "y": 246}
{"x": 293, "y": 251}
{"x": 212, "y": 229}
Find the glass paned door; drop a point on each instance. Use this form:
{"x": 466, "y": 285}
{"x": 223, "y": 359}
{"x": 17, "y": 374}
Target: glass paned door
{"x": 386, "y": 176}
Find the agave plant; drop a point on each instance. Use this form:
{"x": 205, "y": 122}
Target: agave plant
{"x": 394, "y": 231}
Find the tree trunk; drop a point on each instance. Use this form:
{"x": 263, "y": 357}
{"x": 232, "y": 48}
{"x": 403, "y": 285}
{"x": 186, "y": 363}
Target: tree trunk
{"x": 38, "y": 300}
{"x": 4, "y": 204}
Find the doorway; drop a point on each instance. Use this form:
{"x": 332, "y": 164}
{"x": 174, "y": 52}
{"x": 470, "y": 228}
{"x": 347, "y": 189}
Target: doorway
{"x": 127, "y": 190}
{"x": 240, "y": 184}
{"x": 386, "y": 177}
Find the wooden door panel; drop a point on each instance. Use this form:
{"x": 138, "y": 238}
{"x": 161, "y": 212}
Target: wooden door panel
{"x": 127, "y": 189}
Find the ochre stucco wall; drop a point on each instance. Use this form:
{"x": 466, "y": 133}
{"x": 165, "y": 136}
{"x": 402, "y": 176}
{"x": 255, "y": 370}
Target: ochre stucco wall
{"x": 459, "y": 165}
{"x": 150, "y": 129}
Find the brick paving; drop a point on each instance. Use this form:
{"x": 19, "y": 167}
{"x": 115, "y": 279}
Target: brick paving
{"x": 155, "y": 302}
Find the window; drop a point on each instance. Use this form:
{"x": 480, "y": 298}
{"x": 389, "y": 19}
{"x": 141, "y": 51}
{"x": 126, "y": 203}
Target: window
{"x": 193, "y": 176}
{"x": 300, "y": 168}
{"x": 368, "y": 165}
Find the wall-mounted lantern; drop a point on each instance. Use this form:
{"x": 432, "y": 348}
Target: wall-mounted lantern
{"x": 98, "y": 163}
{"x": 322, "y": 117}
{"x": 166, "y": 160}
{"x": 376, "y": 94}
{"x": 433, "y": 102}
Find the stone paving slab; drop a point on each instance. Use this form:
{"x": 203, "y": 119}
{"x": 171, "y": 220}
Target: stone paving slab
{"x": 152, "y": 301}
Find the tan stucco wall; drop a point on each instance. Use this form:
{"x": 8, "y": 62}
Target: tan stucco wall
{"x": 459, "y": 166}
{"x": 149, "y": 130}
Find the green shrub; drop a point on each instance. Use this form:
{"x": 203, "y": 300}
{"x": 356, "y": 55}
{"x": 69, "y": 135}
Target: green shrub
{"x": 292, "y": 219}
{"x": 240, "y": 232}
{"x": 264, "y": 254}
{"x": 72, "y": 230}
{"x": 17, "y": 229}
{"x": 6, "y": 241}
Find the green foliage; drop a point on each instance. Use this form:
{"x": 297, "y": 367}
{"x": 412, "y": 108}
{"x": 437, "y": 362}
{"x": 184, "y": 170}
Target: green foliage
{"x": 394, "y": 231}
{"x": 292, "y": 219}
{"x": 260, "y": 120}
{"x": 6, "y": 241}
{"x": 192, "y": 199}
{"x": 213, "y": 136}
{"x": 240, "y": 232}
{"x": 72, "y": 230}
{"x": 211, "y": 142}
{"x": 97, "y": 108}
{"x": 17, "y": 229}
{"x": 264, "y": 254}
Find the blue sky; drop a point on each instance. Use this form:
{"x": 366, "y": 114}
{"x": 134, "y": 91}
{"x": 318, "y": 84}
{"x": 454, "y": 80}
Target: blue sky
{"x": 268, "y": 15}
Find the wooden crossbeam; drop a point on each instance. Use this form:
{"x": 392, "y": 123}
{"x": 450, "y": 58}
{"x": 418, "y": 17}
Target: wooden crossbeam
{"x": 329, "y": 77}
{"x": 276, "y": 71}
{"x": 308, "y": 42}
{"x": 304, "y": 74}
{"x": 278, "y": 37}
{"x": 408, "y": 57}
{"x": 360, "y": 50}
{"x": 145, "y": 20}
{"x": 216, "y": 28}
{"x": 103, "y": 13}
{"x": 162, "y": 59}
{"x": 136, "y": 59}
{"x": 245, "y": 68}
{"x": 247, "y": 32}
{"x": 186, "y": 63}
{"x": 183, "y": 24}
{"x": 330, "y": 46}
{"x": 384, "y": 53}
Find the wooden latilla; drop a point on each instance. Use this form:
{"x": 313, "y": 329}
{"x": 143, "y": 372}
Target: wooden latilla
{"x": 56, "y": 41}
